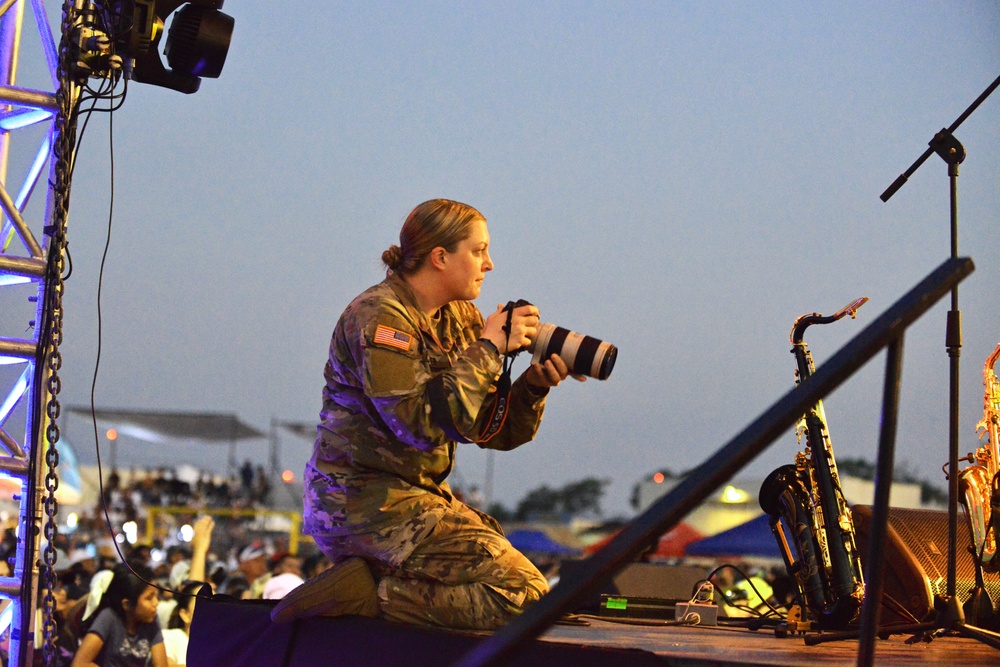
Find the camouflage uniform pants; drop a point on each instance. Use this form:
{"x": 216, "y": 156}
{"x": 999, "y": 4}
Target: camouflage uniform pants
{"x": 464, "y": 575}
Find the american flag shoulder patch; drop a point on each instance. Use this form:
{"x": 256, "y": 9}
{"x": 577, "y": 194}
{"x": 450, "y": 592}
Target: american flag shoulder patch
{"x": 388, "y": 336}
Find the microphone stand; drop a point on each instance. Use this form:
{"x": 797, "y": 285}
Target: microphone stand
{"x": 950, "y": 615}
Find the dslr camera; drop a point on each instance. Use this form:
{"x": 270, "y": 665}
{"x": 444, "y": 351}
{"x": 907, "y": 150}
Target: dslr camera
{"x": 584, "y": 355}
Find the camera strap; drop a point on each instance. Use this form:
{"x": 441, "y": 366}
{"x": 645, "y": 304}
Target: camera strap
{"x": 500, "y": 410}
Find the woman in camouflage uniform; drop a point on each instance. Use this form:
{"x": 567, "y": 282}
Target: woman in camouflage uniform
{"x": 411, "y": 372}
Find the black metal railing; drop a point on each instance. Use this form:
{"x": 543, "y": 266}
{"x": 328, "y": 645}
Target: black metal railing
{"x": 886, "y": 331}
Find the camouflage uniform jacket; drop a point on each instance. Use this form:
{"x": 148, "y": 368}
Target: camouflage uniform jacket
{"x": 401, "y": 388}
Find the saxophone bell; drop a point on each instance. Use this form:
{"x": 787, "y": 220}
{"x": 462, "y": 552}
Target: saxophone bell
{"x": 977, "y": 495}
{"x": 784, "y": 498}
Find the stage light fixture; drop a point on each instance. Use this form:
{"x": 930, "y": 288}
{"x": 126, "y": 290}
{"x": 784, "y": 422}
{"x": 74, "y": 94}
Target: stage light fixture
{"x": 197, "y": 40}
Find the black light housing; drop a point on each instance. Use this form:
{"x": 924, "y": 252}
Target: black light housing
{"x": 197, "y": 42}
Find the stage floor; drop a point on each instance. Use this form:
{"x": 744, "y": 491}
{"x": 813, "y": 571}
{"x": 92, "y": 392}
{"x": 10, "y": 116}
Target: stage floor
{"x": 703, "y": 645}
{"x": 235, "y": 633}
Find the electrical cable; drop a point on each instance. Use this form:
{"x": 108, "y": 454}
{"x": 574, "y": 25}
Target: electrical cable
{"x": 750, "y": 582}
{"x": 691, "y": 618}
{"x": 107, "y": 92}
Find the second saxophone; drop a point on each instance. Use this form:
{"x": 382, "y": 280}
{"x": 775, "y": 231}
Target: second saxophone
{"x": 980, "y": 482}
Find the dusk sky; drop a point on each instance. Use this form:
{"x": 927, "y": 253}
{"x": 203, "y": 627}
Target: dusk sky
{"x": 681, "y": 179}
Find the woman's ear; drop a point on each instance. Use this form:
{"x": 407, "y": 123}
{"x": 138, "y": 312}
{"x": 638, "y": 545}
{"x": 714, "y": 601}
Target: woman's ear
{"x": 438, "y": 257}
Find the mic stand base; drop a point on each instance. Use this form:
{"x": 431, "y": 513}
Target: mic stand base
{"x": 950, "y": 619}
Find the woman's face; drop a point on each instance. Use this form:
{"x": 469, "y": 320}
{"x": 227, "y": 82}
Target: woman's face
{"x": 466, "y": 268}
{"x": 145, "y": 606}
{"x": 61, "y": 597}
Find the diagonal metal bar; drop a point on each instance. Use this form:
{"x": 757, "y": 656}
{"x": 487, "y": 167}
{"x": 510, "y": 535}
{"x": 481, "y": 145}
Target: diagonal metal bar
{"x": 27, "y": 188}
{"x": 19, "y": 224}
{"x": 47, "y": 40}
{"x": 720, "y": 467}
{"x": 15, "y": 119}
{"x": 35, "y": 172}
{"x": 6, "y": 5}
{"x": 11, "y": 445}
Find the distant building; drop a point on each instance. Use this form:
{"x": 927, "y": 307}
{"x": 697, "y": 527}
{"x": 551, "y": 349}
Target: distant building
{"x": 737, "y": 503}
{"x": 859, "y": 491}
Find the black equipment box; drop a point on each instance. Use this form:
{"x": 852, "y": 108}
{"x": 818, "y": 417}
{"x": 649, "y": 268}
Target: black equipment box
{"x": 637, "y": 607}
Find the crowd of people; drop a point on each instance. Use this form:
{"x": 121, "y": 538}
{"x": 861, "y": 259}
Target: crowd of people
{"x": 133, "y": 605}
{"x": 104, "y": 588}
{"x": 125, "y": 501}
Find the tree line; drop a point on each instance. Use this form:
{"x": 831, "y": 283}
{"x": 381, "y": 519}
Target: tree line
{"x": 583, "y": 497}
{"x": 579, "y": 498}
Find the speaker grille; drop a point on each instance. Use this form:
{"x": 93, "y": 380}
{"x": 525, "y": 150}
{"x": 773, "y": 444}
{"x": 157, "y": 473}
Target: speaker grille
{"x": 917, "y": 557}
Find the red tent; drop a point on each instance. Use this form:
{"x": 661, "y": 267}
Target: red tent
{"x": 673, "y": 542}
{"x": 670, "y": 545}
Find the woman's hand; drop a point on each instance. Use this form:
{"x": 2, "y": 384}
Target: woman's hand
{"x": 202, "y": 537}
{"x": 550, "y": 373}
{"x": 200, "y": 543}
{"x": 523, "y": 328}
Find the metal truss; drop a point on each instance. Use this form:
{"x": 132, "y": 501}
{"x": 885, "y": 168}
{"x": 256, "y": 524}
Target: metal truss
{"x": 33, "y": 254}
{"x": 28, "y": 136}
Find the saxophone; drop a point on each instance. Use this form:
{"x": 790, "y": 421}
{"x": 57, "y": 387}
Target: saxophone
{"x": 805, "y": 501}
{"x": 980, "y": 483}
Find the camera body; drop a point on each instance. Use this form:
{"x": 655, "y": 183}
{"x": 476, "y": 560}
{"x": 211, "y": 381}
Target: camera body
{"x": 584, "y": 355}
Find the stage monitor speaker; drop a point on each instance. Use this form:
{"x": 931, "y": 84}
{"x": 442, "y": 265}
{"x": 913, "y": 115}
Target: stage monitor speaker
{"x": 916, "y": 559}
{"x": 643, "y": 580}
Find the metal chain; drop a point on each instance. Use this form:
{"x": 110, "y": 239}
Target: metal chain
{"x": 52, "y": 334}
